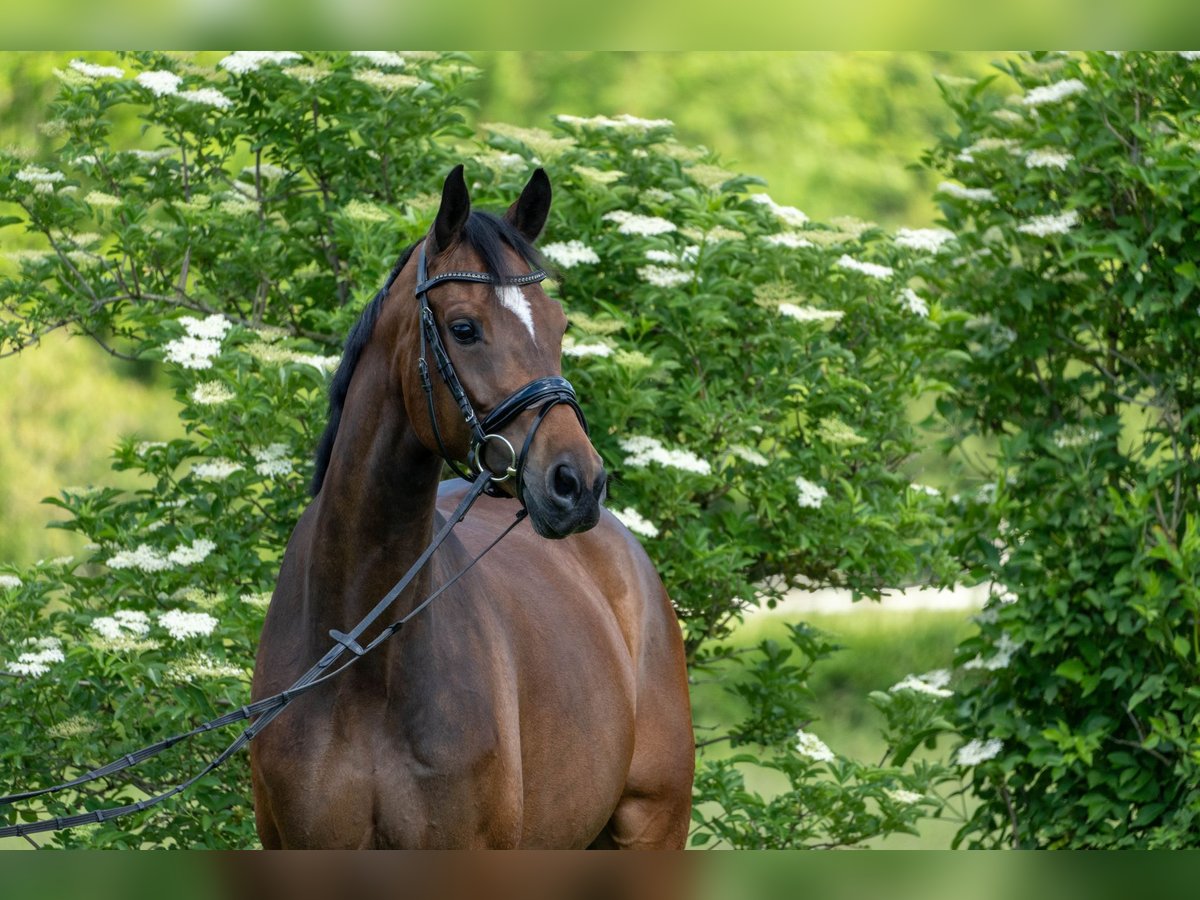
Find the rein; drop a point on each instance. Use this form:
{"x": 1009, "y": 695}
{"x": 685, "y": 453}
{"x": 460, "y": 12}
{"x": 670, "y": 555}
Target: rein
{"x": 547, "y": 392}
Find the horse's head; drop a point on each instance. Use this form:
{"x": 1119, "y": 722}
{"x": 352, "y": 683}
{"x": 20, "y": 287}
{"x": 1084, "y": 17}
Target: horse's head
{"x": 503, "y": 341}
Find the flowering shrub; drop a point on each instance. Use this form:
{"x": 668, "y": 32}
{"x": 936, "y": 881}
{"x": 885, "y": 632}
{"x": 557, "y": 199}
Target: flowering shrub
{"x": 746, "y": 373}
{"x": 1071, "y": 302}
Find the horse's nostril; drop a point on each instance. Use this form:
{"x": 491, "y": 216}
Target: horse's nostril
{"x": 566, "y": 483}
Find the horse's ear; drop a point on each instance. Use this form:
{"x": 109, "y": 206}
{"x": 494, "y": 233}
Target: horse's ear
{"x": 528, "y": 214}
{"x": 452, "y": 214}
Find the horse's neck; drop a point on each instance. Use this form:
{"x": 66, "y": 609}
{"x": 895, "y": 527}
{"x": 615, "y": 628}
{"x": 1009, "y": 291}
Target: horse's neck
{"x": 376, "y": 508}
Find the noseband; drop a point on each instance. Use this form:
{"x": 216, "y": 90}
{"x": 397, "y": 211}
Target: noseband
{"x": 543, "y": 393}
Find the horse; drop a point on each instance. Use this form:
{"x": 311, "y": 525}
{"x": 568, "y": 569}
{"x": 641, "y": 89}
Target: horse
{"x": 542, "y": 701}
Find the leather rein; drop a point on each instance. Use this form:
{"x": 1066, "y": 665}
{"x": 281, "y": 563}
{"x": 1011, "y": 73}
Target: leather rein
{"x": 543, "y": 393}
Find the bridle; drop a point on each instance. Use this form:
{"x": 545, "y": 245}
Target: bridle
{"x": 545, "y": 393}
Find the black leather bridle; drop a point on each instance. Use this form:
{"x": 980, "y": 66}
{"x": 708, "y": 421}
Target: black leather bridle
{"x": 543, "y": 393}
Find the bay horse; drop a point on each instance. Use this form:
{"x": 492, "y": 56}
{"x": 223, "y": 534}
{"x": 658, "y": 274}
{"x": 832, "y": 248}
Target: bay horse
{"x": 541, "y": 701}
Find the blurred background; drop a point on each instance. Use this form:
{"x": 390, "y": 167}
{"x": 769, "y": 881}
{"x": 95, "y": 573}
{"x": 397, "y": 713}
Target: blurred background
{"x": 834, "y": 134}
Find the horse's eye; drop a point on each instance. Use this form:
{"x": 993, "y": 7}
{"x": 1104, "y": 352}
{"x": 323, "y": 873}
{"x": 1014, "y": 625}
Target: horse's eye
{"x": 465, "y": 332}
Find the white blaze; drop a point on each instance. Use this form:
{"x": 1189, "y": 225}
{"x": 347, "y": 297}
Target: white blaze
{"x": 512, "y": 299}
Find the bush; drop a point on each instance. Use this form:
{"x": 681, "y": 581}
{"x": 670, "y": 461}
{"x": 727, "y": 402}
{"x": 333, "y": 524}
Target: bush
{"x": 1071, "y": 312}
{"x": 746, "y": 373}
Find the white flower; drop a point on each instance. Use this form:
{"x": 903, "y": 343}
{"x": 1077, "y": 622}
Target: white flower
{"x": 1075, "y": 436}
{"x": 267, "y": 171}
{"x": 813, "y": 747}
{"x": 258, "y": 601}
{"x": 145, "y": 558}
{"x": 632, "y": 519}
{"x": 622, "y": 122}
{"x": 787, "y": 214}
{"x": 663, "y": 276}
{"x": 581, "y": 350}
{"x": 914, "y": 303}
{"x": 384, "y": 59}
{"x": 38, "y": 175}
{"x": 1052, "y": 93}
{"x": 197, "y": 552}
{"x": 1006, "y": 647}
{"x": 749, "y": 454}
{"x": 871, "y": 269}
{"x": 981, "y": 195}
{"x": 181, "y": 625}
{"x": 216, "y": 470}
{"x": 201, "y": 665}
{"x": 931, "y": 683}
{"x": 89, "y": 70}
{"x": 9, "y": 581}
{"x": 1190, "y": 55}
{"x": 114, "y": 627}
{"x": 141, "y": 448}
{"x": 242, "y": 61}
{"x": 101, "y": 199}
{"x": 810, "y": 496}
{"x": 908, "y": 798}
{"x": 211, "y": 393}
{"x": 386, "y": 81}
{"x": 1047, "y": 159}
{"x": 1041, "y": 226}
{"x": 207, "y": 97}
{"x": 570, "y": 254}
{"x": 192, "y": 353}
{"x": 925, "y": 489}
{"x": 809, "y": 313}
{"x": 985, "y": 145}
{"x": 977, "y": 751}
{"x": 632, "y": 223}
{"x": 272, "y": 460}
{"x": 644, "y": 450}
{"x": 151, "y": 155}
{"x": 160, "y": 83}
{"x": 38, "y": 663}
{"x": 928, "y": 240}
{"x": 212, "y": 328}
{"x": 788, "y": 239}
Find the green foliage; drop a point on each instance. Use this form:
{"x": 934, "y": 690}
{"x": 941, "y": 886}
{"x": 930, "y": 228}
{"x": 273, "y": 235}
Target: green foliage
{"x": 746, "y": 372}
{"x": 1077, "y": 346}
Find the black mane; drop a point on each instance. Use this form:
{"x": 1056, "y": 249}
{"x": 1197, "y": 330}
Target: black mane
{"x": 487, "y": 235}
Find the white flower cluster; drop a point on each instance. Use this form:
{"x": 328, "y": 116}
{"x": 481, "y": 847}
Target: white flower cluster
{"x": 644, "y": 450}
{"x": 38, "y": 175}
{"x": 384, "y": 59}
{"x": 789, "y": 239}
{"x": 145, "y": 558}
{"x": 9, "y": 581}
{"x": 622, "y": 122}
{"x": 258, "y": 601}
{"x": 90, "y": 70}
{"x": 1052, "y": 93}
{"x": 569, "y": 254}
{"x": 159, "y": 82}
{"x": 664, "y": 276}
{"x": 581, "y": 350}
{"x": 687, "y": 255}
{"x": 1043, "y": 226}
{"x": 122, "y": 623}
{"x": 809, "y": 313}
{"x": 632, "y": 223}
{"x": 810, "y": 495}
{"x": 211, "y": 393}
{"x": 37, "y": 662}
{"x": 1006, "y": 647}
{"x": 872, "y": 270}
{"x": 196, "y": 349}
{"x": 927, "y": 489}
{"x": 186, "y": 555}
{"x": 931, "y": 683}
{"x": 1047, "y": 159}
{"x": 1190, "y": 55}
{"x": 789, "y": 215}
{"x": 975, "y": 752}
{"x": 749, "y": 454}
{"x": 913, "y": 302}
{"x": 907, "y": 798}
{"x": 977, "y": 195}
{"x": 633, "y": 520}
{"x": 182, "y": 625}
{"x": 813, "y": 747}
{"x": 216, "y": 469}
{"x": 242, "y": 61}
{"x": 202, "y": 666}
{"x": 272, "y": 460}
{"x": 1070, "y": 436}
{"x": 206, "y": 97}
{"x": 927, "y": 240}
